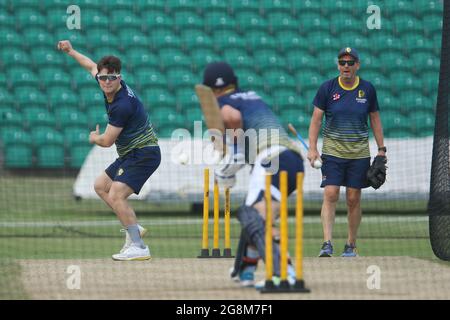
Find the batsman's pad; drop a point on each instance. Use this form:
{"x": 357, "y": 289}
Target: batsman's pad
{"x": 376, "y": 175}
{"x": 254, "y": 226}
{"x": 241, "y": 260}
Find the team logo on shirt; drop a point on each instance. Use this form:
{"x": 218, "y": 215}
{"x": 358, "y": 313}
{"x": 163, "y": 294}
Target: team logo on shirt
{"x": 361, "y": 95}
{"x": 336, "y": 96}
{"x": 120, "y": 172}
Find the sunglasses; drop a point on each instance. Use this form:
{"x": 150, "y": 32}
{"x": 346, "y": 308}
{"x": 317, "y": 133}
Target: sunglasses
{"x": 110, "y": 77}
{"x": 349, "y": 62}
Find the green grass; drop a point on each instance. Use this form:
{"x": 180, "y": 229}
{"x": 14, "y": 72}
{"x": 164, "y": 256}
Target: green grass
{"x": 55, "y": 225}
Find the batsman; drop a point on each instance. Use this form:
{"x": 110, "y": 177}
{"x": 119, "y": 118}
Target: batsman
{"x": 254, "y": 136}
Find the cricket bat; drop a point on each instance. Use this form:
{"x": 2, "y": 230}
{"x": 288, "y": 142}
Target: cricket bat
{"x": 212, "y": 115}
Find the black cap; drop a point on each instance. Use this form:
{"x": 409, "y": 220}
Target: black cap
{"x": 350, "y": 51}
{"x": 219, "y": 75}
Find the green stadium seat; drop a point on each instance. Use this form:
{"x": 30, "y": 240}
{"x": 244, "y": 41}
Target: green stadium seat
{"x": 307, "y": 79}
{"x": 320, "y": 40}
{"x": 291, "y": 41}
{"x": 344, "y": 21}
{"x": 213, "y": 6}
{"x": 382, "y": 42}
{"x": 405, "y": 80}
{"x": 35, "y": 37}
{"x": 277, "y": 6}
{"x": 21, "y": 76}
{"x": 28, "y": 18}
{"x": 6, "y": 97}
{"x": 267, "y": 59}
{"x": 432, "y": 23}
{"x": 278, "y": 79}
{"x": 126, "y": 17}
{"x": 398, "y": 8}
{"x": 14, "y": 57}
{"x": 387, "y": 101}
{"x": 422, "y": 123}
{"x": 312, "y": 21}
{"x": 331, "y": 7}
{"x": 193, "y": 114}
{"x": 18, "y": 156}
{"x": 194, "y": 38}
{"x": 78, "y": 154}
{"x": 393, "y": 120}
{"x": 70, "y": 117}
{"x": 148, "y": 77}
{"x": 357, "y": 40}
{"x": 123, "y": 5}
{"x": 227, "y": 39}
{"x": 164, "y": 39}
{"x": 251, "y": 81}
{"x": 47, "y": 56}
{"x": 14, "y": 135}
{"x": 131, "y": 38}
{"x": 430, "y": 82}
{"x": 236, "y": 6}
{"x": 218, "y": 21}
{"x": 29, "y": 96}
{"x": 81, "y": 78}
{"x": 101, "y": 37}
{"x": 157, "y": 98}
{"x": 300, "y": 61}
{"x": 238, "y": 58}
{"x": 181, "y": 77}
{"x": 91, "y": 96}
{"x": 77, "y": 39}
{"x": 281, "y": 21}
{"x": 50, "y": 156}
{"x": 424, "y": 60}
{"x": 301, "y": 6}
{"x": 59, "y": 96}
{"x": 93, "y": 18}
{"x": 412, "y": 101}
{"x": 3, "y": 80}
{"x": 57, "y": 18}
{"x": 397, "y": 62}
{"x": 46, "y": 135}
{"x": 250, "y": 21}
{"x": 9, "y": 117}
{"x": 173, "y": 58}
{"x": 101, "y": 52}
{"x": 257, "y": 40}
{"x": 97, "y": 115}
{"x": 7, "y": 20}
{"x": 186, "y": 99}
{"x": 175, "y": 5}
{"x": 418, "y": 42}
{"x": 298, "y": 118}
{"x": 54, "y": 75}
{"x": 404, "y": 23}
{"x": 141, "y": 57}
{"x": 164, "y": 116}
{"x": 76, "y": 136}
{"x": 187, "y": 19}
{"x": 285, "y": 99}
{"x": 201, "y": 57}
{"x": 10, "y": 38}
{"x": 35, "y": 116}
{"x": 155, "y": 20}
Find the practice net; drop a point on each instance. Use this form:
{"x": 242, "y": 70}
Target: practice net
{"x": 57, "y": 235}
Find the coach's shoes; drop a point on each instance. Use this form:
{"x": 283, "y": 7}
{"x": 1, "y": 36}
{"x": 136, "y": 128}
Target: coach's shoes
{"x": 128, "y": 242}
{"x": 327, "y": 249}
{"x": 349, "y": 251}
{"x": 133, "y": 253}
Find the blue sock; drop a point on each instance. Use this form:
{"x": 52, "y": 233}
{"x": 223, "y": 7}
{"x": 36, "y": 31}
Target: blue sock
{"x": 133, "y": 230}
{"x": 253, "y": 254}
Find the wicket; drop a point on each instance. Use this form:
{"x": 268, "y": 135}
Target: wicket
{"x": 215, "y": 253}
{"x": 284, "y": 286}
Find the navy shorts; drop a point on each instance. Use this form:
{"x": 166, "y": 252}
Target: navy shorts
{"x": 135, "y": 167}
{"x": 344, "y": 172}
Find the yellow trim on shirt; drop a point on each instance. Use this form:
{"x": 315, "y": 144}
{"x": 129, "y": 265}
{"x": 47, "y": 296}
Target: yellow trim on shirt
{"x": 347, "y": 88}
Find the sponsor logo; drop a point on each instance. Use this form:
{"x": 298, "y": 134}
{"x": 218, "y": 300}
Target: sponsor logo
{"x": 120, "y": 172}
{"x": 336, "y": 96}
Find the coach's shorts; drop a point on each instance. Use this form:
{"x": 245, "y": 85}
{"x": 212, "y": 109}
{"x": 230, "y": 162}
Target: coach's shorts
{"x": 135, "y": 167}
{"x": 344, "y": 172}
{"x": 288, "y": 160}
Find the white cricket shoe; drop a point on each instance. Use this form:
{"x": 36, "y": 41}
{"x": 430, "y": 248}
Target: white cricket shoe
{"x": 128, "y": 242}
{"x": 133, "y": 253}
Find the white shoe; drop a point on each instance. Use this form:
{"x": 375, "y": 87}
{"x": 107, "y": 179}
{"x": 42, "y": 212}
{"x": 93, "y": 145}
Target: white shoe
{"x": 133, "y": 253}
{"x": 128, "y": 242}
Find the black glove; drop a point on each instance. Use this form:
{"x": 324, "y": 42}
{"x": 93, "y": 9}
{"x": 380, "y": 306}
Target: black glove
{"x": 376, "y": 175}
